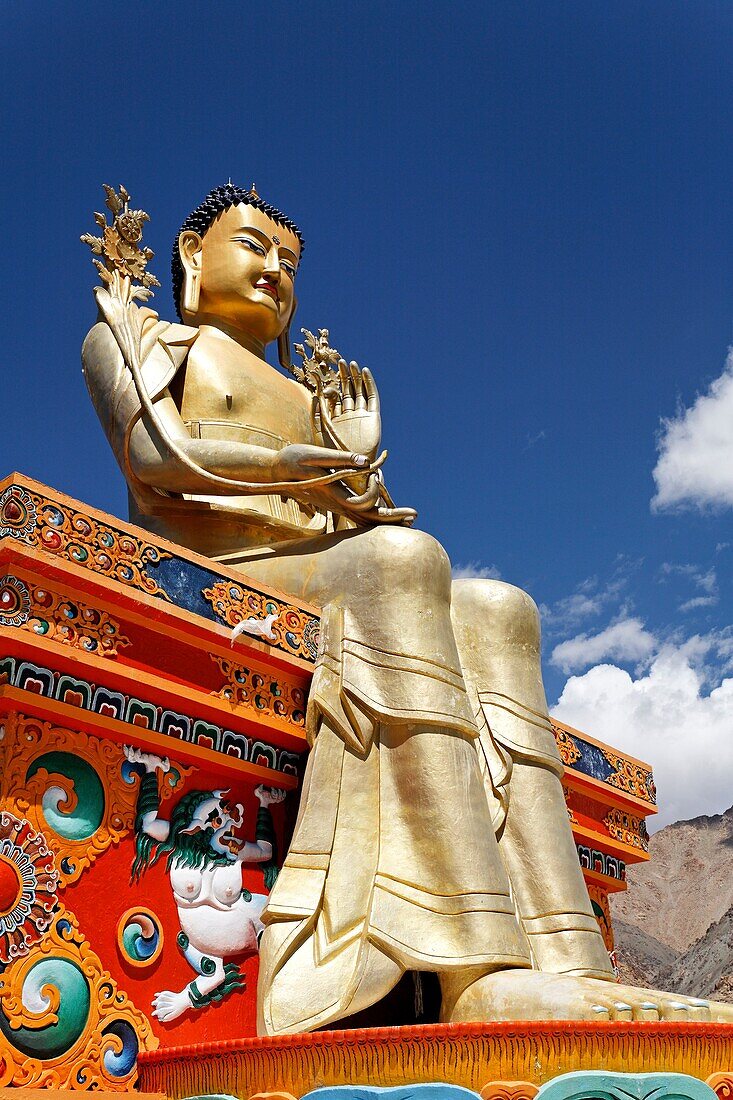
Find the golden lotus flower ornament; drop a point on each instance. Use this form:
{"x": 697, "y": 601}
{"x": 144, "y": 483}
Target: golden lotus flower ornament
{"x": 120, "y": 244}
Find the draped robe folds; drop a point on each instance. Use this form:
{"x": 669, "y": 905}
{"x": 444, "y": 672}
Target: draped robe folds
{"x": 394, "y": 863}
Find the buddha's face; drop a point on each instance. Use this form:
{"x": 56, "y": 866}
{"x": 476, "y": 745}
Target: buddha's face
{"x": 246, "y": 266}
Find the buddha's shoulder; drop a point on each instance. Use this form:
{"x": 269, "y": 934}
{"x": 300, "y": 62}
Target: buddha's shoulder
{"x": 164, "y": 347}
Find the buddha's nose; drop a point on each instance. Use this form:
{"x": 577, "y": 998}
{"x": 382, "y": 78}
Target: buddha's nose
{"x": 272, "y": 264}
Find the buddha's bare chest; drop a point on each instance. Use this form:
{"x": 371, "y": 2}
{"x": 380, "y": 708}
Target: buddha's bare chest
{"x": 242, "y": 392}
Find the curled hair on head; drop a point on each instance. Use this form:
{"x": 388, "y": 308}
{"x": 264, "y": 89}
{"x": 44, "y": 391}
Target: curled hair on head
{"x": 215, "y": 203}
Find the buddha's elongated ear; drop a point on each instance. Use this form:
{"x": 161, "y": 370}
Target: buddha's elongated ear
{"x": 283, "y": 341}
{"x": 189, "y": 250}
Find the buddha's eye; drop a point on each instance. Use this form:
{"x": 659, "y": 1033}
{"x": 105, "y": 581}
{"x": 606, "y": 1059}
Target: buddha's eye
{"x": 253, "y": 246}
{"x": 288, "y": 267}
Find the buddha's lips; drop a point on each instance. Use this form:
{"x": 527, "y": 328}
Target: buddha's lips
{"x": 268, "y": 288}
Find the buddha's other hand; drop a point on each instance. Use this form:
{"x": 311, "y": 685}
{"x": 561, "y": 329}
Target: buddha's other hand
{"x": 300, "y": 461}
{"x": 353, "y": 408}
{"x": 364, "y": 508}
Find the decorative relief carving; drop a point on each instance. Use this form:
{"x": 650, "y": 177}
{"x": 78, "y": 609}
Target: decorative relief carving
{"x": 64, "y": 1022}
{"x": 601, "y": 862}
{"x": 66, "y": 783}
{"x": 28, "y": 885}
{"x": 294, "y": 631}
{"x": 601, "y": 909}
{"x": 56, "y": 526}
{"x": 144, "y": 714}
{"x": 567, "y": 745}
{"x": 260, "y": 692}
{"x": 36, "y": 608}
{"x": 140, "y": 937}
{"x": 631, "y": 777}
{"x": 571, "y": 812}
{"x": 62, "y": 530}
{"x": 15, "y": 601}
{"x": 605, "y": 765}
{"x": 18, "y": 515}
{"x": 509, "y": 1090}
{"x": 583, "y": 1084}
{"x": 627, "y": 828}
{"x": 722, "y": 1084}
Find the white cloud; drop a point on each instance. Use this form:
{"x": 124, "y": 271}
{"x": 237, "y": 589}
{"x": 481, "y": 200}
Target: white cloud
{"x": 588, "y": 599}
{"x": 664, "y": 716}
{"x": 473, "y": 570}
{"x": 698, "y": 601}
{"x": 624, "y": 640}
{"x": 695, "y": 464}
{"x": 706, "y": 581}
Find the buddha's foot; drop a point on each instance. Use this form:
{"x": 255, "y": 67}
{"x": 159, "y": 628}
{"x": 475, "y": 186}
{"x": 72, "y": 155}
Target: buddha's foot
{"x": 531, "y": 995}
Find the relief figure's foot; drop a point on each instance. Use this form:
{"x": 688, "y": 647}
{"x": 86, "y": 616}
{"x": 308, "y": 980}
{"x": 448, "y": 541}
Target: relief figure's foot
{"x": 532, "y": 995}
{"x": 168, "y": 1006}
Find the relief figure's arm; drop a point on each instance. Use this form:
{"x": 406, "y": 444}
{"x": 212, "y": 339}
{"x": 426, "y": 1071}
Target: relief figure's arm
{"x": 264, "y": 848}
{"x": 147, "y": 821}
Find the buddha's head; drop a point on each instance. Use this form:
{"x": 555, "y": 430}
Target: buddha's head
{"x": 234, "y": 261}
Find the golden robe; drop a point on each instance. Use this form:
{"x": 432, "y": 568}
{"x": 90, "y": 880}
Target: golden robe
{"x": 394, "y": 862}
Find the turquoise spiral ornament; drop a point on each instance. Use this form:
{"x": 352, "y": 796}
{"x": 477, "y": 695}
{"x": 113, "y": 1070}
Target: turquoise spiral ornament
{"x": 77, "y": 817}
{"x": 65, "y": 978}
{"x": 140, "y": 937}
{"x": 121, "y": 1050}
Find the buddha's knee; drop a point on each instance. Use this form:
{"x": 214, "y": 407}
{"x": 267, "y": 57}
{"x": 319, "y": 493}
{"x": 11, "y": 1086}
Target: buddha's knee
{"x": 405, "y": 559}
{"x": 501, "y": 613}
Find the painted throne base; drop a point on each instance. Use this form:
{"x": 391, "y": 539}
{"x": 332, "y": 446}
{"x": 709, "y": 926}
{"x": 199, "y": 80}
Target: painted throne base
{"x": 502, "y": 1061}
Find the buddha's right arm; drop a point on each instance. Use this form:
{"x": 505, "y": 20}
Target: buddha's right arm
{"x": 153, "y": 462}
{"x": 148, "y": 450}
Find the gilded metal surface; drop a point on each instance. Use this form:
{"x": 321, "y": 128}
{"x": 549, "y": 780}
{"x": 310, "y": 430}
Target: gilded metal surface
{"x": 433, "y": 832}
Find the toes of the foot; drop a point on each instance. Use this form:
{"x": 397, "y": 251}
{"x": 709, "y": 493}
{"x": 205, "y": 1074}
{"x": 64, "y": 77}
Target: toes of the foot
{"x": 674, "y": 1010}
{"x": 622, "y": 1010}
{"x": 600, "y": 1012}
{"x": 699, "y": 1010}
{"x": 646, "y": 1010}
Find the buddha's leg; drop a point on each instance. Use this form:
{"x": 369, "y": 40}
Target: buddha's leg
{"x": 497, "y": 630}
{"x": 393, "y": 864}
{"x": 498, "y": 634}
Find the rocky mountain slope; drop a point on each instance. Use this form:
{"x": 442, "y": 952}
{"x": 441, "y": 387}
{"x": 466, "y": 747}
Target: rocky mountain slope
{"x": 674, "y": 925}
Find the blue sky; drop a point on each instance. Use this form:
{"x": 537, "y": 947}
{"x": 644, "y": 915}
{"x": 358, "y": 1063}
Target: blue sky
{"x": 519, "y": 216}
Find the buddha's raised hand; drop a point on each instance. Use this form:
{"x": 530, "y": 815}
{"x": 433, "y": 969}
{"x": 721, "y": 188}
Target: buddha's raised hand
{"x": 353, "y": 422}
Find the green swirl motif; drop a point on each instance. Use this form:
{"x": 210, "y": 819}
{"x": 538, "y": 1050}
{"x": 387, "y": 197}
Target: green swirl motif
{"x": 141, "y": 938}
{"x": 86, "y": 817}
{"x": 73, "y": 1011}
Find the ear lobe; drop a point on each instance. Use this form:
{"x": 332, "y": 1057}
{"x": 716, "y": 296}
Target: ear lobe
{"x": 283, "y": 341}
{"x": 189, "y": 251}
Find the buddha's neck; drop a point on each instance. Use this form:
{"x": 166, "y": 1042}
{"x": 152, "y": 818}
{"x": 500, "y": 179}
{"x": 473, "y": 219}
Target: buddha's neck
{"x": 218, "y": 329}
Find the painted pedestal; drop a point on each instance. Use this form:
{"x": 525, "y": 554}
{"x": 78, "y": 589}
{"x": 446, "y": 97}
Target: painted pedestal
{"x": 115, "y": 646}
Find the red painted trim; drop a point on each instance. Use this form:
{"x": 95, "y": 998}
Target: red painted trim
{"x": 518, "y": 1029}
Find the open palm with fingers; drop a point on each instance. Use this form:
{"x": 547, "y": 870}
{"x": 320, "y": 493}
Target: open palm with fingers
{"x": 353, "y": 410}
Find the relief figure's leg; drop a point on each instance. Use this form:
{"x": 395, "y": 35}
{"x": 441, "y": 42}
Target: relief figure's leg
{"x": 498, "y": 633}
{"x": 168, "y": 1006}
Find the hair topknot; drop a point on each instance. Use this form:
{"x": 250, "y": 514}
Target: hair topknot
{"x": 215, "y": 203}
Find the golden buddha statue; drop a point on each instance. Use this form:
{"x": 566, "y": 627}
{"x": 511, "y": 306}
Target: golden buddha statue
{"x": 432, "y": 833}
